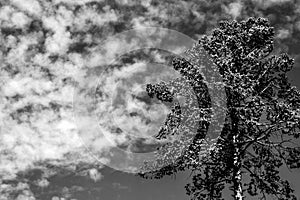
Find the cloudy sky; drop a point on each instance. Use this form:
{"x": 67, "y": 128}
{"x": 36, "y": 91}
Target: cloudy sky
{"x": 69, "y": 94}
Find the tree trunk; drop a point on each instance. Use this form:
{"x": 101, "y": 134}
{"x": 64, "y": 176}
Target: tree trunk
{"x": 237, "y": 174}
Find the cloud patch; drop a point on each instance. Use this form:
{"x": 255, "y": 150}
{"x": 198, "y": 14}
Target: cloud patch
{"x": 31, "y": 6}
{"x": 234, "y": 9}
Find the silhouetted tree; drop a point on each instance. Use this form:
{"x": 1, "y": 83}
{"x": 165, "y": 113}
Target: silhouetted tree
{"x": 261, "y": 128}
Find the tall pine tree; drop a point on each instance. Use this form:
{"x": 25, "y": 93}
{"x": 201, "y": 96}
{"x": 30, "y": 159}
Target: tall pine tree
{"x": 260, "y": 133}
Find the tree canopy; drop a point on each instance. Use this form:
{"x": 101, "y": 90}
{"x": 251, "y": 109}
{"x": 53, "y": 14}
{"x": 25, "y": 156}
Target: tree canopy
{"x": 259, "y": 136}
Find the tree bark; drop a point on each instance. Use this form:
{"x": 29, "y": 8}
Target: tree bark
{"x": 237, "y": 173}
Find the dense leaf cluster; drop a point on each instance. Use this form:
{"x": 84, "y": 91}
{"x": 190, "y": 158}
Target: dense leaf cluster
{"x": 262, "y": 123}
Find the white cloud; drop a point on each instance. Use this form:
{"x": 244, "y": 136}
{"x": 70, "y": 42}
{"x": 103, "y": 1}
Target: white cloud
{"x": 22, "y": 189}
{"x": 115, "y": 111}
{"x": 90, "y": 15}
{"x": 50, "y": 135}
{"x": 9, "y": 17}
{"x": 129, "y": 71}
{"x": 19, "y": 54}
{"x": 60, "y": 40}
{"x": 283, "y": 34}
{"x": 140, "y": 22}
{"x": 57, "y": 198}
{"x": 107, "y": 52}
{"x": 268, "y": 3}
{"x": 234, "y": 9}
{"x": 20, "y": 19}
{"x": 5, "y": 13}
{"x": 95, "y": 175}
{"x": 278, "y": 1}
{"x": 46, "y": 133}
{"x": 31, "y": 6}
{"x": 42, "y": 183}
{"x": 58, "y": 43}
{"x": 25, "y": 85}
{"x": 77, "y": 2}
{"x": 27, "y": 195}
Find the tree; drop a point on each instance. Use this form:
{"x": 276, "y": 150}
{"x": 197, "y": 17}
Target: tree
{"x": 260, "y": 133}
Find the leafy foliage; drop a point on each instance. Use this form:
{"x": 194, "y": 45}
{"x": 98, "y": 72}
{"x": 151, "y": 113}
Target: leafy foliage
{"x": 260, "y": 133}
